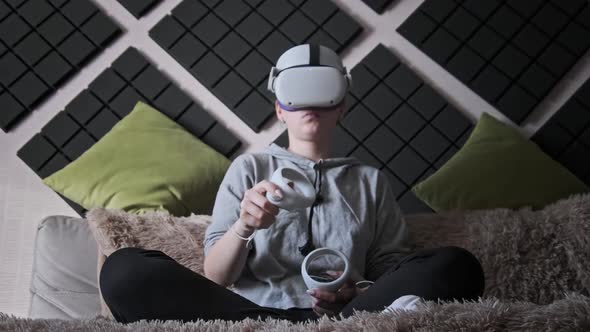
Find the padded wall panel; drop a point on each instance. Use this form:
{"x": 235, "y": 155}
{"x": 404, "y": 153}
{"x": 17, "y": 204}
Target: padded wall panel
{"x": 378, "y": 5}
{"x": 111, "y": 96}
{"x": 138, "y": 8}
{"x": 566, "y": 135}
{"x": 398, "y": 123}
{"x": 230, "y": 46}
{"x": 42, "y": 43}
{"x": 511, "y": 53}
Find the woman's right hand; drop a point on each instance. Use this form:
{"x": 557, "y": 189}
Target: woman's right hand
{"x": 226, "y": 259}
{"x": 256, "y": 211}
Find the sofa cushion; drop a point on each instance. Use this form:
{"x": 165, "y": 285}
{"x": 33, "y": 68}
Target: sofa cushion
{"x": 146, "y": 162}
{"x": 63, "y": 281}
{"x": 179, "y": 237}
{"x": 498, "y": 167}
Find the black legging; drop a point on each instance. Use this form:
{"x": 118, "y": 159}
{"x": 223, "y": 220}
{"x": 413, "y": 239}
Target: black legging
{"x": 147, "y": 284}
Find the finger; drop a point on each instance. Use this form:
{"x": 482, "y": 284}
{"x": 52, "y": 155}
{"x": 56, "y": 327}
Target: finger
{"x": 348, "y": 283}
{"x": 265, "y": 186}
{"x": 344, "y": 295}
{"x": 334, "y": 307}
{"x": 322, "y": 311}
{"x": 263, "y": 218}
{"x": 324, "y": 295}
{"x": 334, "y": 273}
{"x": 263, "y": 203}
{"x": 334, "y": 300}
{"x": 255, "y": 212}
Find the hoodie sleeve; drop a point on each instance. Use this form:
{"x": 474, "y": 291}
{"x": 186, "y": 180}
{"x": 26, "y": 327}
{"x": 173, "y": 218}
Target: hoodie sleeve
{"x": 238, "y": 178}
{"x": 391, "y": 235}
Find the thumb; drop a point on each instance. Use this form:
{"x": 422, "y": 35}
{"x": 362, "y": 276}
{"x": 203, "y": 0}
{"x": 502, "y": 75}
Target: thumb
{"x": 267, "y": 186}
{"x": 334, "y": 274}
{"x": 348, "y": 283}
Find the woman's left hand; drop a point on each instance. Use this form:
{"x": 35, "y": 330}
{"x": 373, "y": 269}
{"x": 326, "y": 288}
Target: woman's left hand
{"x": 331, "y": 303}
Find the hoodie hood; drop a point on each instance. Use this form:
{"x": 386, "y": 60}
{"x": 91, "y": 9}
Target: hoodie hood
{"x": 282, "y": 153}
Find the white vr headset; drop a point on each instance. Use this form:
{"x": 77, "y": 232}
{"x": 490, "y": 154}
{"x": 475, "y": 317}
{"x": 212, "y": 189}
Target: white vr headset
{"x": 309, "y": 76}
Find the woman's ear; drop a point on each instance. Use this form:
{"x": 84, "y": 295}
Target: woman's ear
{"x": 278, "y": 111}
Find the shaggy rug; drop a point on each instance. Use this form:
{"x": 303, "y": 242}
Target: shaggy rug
{"x": 569, "y": 314}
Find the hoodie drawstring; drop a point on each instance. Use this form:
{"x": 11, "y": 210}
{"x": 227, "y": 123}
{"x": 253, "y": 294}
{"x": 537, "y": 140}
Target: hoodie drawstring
{"x": 309, "y": 246}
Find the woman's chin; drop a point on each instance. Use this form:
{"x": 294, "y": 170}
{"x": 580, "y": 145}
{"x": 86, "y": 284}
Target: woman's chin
{"x": 315, "y": 132}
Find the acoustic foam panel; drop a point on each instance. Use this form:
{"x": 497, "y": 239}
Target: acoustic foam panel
{"x": 111, "y": 96}
{"x": 566, "y": 136}
{"x": 397, "y": 123}
{"x": 511, "y": 53}
{"x": 230, "y": 46}
{"x": 42, "y": 43}
{"x": 138, "y": 8}
{"x": 378, "y": 5}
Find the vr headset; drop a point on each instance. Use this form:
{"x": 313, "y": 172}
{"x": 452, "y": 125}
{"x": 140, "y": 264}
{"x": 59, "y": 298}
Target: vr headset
{"x": 309, "y": 76}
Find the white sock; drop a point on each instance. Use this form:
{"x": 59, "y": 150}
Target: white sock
{"x": 406, "y": 302}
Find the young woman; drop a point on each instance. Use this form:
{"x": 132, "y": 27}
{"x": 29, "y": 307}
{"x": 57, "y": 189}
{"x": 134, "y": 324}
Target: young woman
{"x": 257, "y": 248}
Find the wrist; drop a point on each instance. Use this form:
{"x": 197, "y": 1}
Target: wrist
{"x": 242, "y": 229}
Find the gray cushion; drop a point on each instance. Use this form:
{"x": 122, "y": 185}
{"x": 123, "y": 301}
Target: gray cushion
{"x": 63, "y": 282}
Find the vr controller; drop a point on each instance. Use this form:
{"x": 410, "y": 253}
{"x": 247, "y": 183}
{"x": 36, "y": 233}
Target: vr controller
{"x": 318, "y": 277}
{"x": 298, "y": 191}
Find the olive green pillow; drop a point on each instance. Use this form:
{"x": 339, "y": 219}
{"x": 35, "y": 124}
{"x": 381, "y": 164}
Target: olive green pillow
{"x": 497, "y": 168}
{"x": 145, "y": 162}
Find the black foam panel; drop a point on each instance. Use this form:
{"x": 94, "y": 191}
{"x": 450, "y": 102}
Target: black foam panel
{"x": 397, "y": 123}
{"x": 42, "y": 43}
{"x": 110, "y": 97}
{"x": 511, "y": 53}
{"x": 138, "y": 8}
{"x": 566, "y": 135}
{"x": 378, "y": 5}
{"x": 230, "y": 46}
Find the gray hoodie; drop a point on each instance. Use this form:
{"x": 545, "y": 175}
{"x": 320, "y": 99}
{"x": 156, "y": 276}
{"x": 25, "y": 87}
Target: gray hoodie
{"x": 357, "y": 214}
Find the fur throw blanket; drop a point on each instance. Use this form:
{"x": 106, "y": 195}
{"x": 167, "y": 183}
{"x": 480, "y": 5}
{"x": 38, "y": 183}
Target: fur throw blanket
{"x": 527, "y": 255}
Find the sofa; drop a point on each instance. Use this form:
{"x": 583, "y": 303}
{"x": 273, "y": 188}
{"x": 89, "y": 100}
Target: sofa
{"x": 535, "y": 264}
{"x": 64, "y": 277}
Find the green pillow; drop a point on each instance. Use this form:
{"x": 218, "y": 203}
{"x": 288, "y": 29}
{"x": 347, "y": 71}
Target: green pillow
{"x": 497, "y": 168}
{"x": 145, "y": 162}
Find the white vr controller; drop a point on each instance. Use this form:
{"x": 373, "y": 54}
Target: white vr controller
{"x": 299, "y": 193}
{"x": 325, "y": 282}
